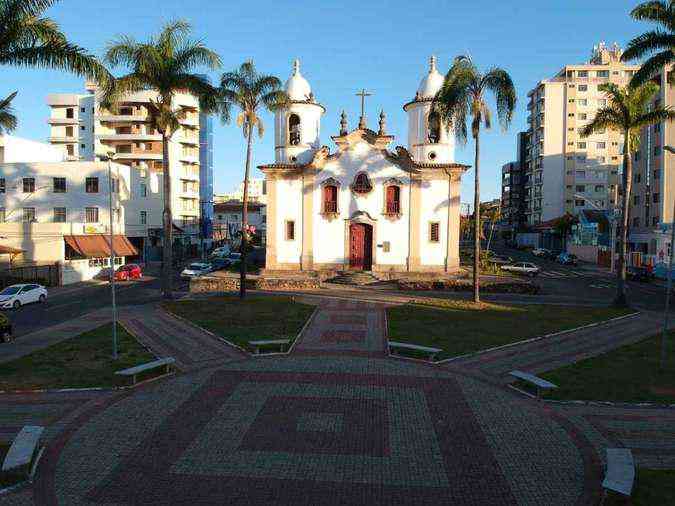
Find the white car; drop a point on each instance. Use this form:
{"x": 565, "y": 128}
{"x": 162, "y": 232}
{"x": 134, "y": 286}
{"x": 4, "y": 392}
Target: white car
{"x": 526, "y": 268}
{"x": 195, "y": 270}
{"x": 540, "y": 252}
{"x": 16, "y": 296}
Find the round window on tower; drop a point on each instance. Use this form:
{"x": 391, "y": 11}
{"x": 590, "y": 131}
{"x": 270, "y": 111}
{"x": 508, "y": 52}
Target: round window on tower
{"x": 294, "y": 159}
{"x": 432, "y": 155}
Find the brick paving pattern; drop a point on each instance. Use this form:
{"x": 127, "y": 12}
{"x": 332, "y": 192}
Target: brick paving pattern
{"x": 336, "y": 421}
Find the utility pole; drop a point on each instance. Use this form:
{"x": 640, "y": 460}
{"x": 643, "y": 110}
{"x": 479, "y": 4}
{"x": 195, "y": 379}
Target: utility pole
{"x": 669, "y": 287}
{"x": 112, "y": 259}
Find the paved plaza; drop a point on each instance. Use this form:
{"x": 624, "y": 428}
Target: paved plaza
{"x": 335, "y": 421}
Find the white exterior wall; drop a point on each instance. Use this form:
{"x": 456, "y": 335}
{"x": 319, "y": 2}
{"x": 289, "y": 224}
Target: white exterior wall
{"x": 434, "y": 209}
{"x": 553, "y": 188}
{"x": 329, "y": 235}
{"x": 310, "y": 130}
{"x": 418, "y": 141}
{"x": 17, "y": 149}
{"x": 289, "y": 193}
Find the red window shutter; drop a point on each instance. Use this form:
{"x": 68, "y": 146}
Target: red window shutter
{"x": 330, "y": 199}
{"x": 393, "y": 199}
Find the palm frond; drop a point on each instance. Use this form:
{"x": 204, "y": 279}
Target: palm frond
{"x": 195, "y": 54}
{"x": 648, "y": 43}
{"x": 499, "y": 82}
{"x": 659, "y": 115}
{"x": 607, "y": 118}
{"x": 652, "y": 67}
{"x": 657, "y": 11}
{"x": 8, "y": 120}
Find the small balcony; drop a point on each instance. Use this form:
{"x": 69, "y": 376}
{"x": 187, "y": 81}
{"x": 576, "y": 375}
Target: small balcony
{"x": 63, "y": 121}
{"x": 138, "y": 156}
{"x": 63, "y": 139}
{"x": 122, "y": 118}
{"x": 129, "y": 137}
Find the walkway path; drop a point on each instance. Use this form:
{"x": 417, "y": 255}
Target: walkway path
{"x": 344, "y": 327}
{"x": 556, "y": 351}
{"x": 170, "y": 336}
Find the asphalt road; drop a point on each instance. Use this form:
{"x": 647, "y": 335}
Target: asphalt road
{"x": 66, "y": 303}
{"x": 587, "y": 282}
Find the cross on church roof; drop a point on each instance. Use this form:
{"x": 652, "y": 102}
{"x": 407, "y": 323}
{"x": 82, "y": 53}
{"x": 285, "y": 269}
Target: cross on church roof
{"x": 363, "y": 94}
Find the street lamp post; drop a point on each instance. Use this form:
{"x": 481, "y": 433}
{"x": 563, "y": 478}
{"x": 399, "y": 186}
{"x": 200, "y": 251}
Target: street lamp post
{"x": 109, "y": 159}
{"x": 669, "y": 284}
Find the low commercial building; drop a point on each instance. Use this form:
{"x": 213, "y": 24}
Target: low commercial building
{"x": 227, "y": 220}
{"x": 60, "y": 213}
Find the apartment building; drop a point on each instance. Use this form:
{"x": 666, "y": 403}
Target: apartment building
{"x": 567, "y": 172}
{"x": 59, "y": 212}
{"x": 513, "y": 188}
{"x": 257, "y": 192}
{"x": 653, "y": 192}
{"x": 85, "y": 131}
{"x": 227, "y": 219}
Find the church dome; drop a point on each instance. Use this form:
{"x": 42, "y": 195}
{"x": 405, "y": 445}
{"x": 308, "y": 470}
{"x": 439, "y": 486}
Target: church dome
{"x": 297, "y": 86}
{"x": 432, "y": 82}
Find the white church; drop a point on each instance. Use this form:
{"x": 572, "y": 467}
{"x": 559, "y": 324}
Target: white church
{"x": 362, "y": 207}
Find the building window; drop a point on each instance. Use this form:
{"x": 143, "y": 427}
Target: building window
{"x": 582, "y": 73}
{"x": 600, "y": 145}
{"x": 70, "y": 113}
{"x": 583, "y": 116}
{"x": 581, "y": 145}
{"x": 393, "y": 199}
{"x": 294, "y": 129}
{"x": 59, "y": 185}
{"x": 655, "y": 198}
{"x": 361, "y": 183}
{"x": 636, "y": 222}
{"x": 434, "y": 231}
{"x": 583, "y": 87}
{"x": 290, "y": 230}
{"x": 91, "y": 184}
{"x": 3, "y": 185}
{"x": 91, "y": 215}
{"x": 144, "y": 190}
{"x": 599, "y": 188}
{"x": 657, "y": 150}
{"x": 28, "y": 184}
{"x": 28, "y": 214}
{"x": 655, "y": 221}
{"x": 581, "y": 188}
{"x": 144, "y": 217}
{"x": 434, "y": 127}
{"x": 59, "y": 215}
{"x": 330, "y": 199}
{"x": 636, "y": 200}
{"x": 602, "y": 73}
{"x": 579, "y": 202}
{"x": 657, "y": 174}
{"x": 602, "y": 102}
{"x": 583, "y": 101}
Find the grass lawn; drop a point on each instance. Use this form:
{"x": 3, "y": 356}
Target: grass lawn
{"x": 83, "y": 361}
{"x": 459, "y": 327}
{"x": 652, "y": 487}
{"x": 255, "y": 318}
{"x": 628, "y": 374}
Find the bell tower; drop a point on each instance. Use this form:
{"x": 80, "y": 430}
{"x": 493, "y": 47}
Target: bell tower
{"x": 297, "y": 126}
{"x": 429, "y": 141}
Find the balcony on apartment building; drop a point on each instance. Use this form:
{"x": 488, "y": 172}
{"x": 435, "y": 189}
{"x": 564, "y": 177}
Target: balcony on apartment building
{"x": 189, "y": 118}
{"x": 63, "y": 121}
{"x": 128, "y": 152}
{"x": 56, "y": 139}
{"x": 124, "y": 114}
{"x": 130, "y": 134}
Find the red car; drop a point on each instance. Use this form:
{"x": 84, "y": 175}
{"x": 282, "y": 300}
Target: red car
{"x": 128, "y": 271}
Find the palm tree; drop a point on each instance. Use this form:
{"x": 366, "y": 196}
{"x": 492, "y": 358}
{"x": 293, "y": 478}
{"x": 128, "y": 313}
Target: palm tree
{"x": 659, "y": 42}
{"x": 249, "y": 91}
{"x": 29, "y": 40}
{"x": 7, "y": 118}
{"x": 164, "y": 64}
{"x": 462, "y": 96}
{"x": 627, "y": 113}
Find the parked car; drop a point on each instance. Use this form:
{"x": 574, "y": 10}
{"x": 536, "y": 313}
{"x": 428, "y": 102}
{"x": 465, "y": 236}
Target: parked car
{"x": 639, "y": 274}
{"x": 218, "y": 264}
{"x": 500, "y": 260}
{"x": 5, "y": 329}
{"x": 233, "y": 258}
{"x": 128, "y": 271}
{"x": 196, "y": 269}
{"x": 526, "y": 268}
{"x": 541, "y": 252}
{"x": 221, "y": 251}
{"x": 15, "y": 296}
{"x": 566, "y": 259}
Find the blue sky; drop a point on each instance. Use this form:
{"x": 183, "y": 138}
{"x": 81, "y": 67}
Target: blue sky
{"x": 344, "y": 46}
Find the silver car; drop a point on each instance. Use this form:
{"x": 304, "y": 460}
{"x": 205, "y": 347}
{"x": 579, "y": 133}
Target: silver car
{"x": 526, "y": 268}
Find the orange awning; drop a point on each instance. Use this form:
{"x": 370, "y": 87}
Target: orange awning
{"x": 98, "y": 245}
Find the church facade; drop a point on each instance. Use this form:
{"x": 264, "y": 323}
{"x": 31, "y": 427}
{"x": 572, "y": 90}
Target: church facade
{"x": 362, "y": 206}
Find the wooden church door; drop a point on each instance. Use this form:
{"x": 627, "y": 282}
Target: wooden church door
{"x": 361, "y": 246}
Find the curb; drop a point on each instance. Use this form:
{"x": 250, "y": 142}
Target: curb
{"x": 538, "y": 338}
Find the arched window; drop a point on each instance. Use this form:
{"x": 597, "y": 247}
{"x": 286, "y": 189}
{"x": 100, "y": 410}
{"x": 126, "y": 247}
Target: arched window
{"x": 330, "y": 204}
{"x": 393, "y": 200}
{"x": 294, "y": 129}
{"x": 361, "y": 183}
{"x": 434, "y": 127}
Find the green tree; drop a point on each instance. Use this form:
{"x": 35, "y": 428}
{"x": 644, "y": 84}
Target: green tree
{"x": 249, "y": 91}
{"x": 463, "y": 97}
{"x": 27, "y": 39}
{"x": 165, "y": 64}
{"x": 658, "y": 43}
{"x": 626, "y": 113}
{"x": 7, "y": 118}
{"x": 563, "y": 227}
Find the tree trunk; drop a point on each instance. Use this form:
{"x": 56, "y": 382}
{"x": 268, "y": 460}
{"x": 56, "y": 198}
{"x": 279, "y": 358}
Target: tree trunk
{"x": 620, "y": 299}
{"x": 167, "y": 221}
{"x": 244, "y": 215}
{"x": 476, "y": 225}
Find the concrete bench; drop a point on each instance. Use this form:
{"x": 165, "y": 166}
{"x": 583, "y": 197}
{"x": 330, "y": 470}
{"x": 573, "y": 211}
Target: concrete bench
{"x": 167, "y": 363}
{"x": 432, "y": 352}
{"x": 620, "y": 473}
{"x": 23, "y": 448}
{"x": 256, "y": 345}
{"x": 538, "y": 382}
